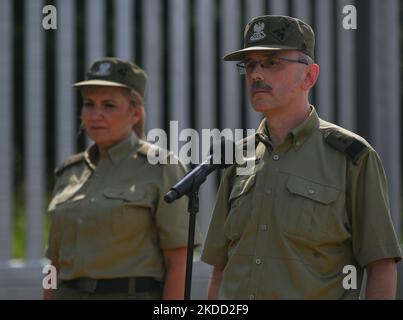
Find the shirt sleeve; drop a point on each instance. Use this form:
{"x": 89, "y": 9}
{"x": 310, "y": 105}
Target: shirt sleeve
{"x": 172, "y": 219}
{"x": 216, "y": 244}
{"x": 51, "y": 251}
{"x": 373, "y": 235}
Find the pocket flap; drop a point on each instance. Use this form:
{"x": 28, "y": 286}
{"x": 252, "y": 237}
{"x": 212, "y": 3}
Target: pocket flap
{"x": 128, "y": 194}
{"x": 311, "y": 190}
{"x": 242, "y": 186}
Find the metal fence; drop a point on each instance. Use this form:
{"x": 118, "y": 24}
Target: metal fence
{"x": 180, "y": 44}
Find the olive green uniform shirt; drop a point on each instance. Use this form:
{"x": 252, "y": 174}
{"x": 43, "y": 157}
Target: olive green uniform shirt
{"x": 109, "y": 219}
{"x": 288, "y": 228}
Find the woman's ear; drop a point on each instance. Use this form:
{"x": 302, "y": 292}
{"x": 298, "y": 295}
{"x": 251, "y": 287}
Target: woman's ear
{"x": 138, "y": 114}
{"x": 311, "y": 76}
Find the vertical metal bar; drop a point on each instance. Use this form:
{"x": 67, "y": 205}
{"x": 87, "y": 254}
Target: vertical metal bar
{"x": 230, "y": 41}
{"x": 124, "y": 29}
{"x": 179, "y": 64}
{"x": 347, "y": 71}
{"x": 279, "y": 7}
{"x": 153, "y": 62}
{"x": 302, "y": 10}
{"x": 95, "y": 34}
{"x": 95, "y": 30}
{"x": 324, "y": 46}
{"x": 6, "y": 130}
{"x": 254, "y": 8}
{"x": 34, "y": 128}
{"x": 205, "y": 94}
{"x": 65, "y": 76}
{"x": 384, "y": 93}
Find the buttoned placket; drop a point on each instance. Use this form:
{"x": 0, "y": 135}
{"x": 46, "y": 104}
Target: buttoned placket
{"x": 264, "y": 208}
{"x": 94, "y": 182}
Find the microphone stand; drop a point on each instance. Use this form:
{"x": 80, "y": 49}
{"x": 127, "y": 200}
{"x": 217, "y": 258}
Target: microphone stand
{"x": 191, "y": 183}
{"x": 193, "y": 209}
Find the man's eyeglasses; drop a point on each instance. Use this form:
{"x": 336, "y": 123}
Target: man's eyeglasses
{"x": 247, "y": 67}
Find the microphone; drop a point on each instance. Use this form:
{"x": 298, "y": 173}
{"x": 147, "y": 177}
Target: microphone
{"x": 199, "y": 174}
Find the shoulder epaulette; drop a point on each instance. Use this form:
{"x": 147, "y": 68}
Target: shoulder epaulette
{"x": 70, "y": 161}
{"x": 349, "y": 145}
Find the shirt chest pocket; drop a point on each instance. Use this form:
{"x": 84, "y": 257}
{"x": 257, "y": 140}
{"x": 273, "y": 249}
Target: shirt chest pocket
{"x": 240, "y": 206}
{"x": 311, "y": 209}
{"x": 131, "y": 210}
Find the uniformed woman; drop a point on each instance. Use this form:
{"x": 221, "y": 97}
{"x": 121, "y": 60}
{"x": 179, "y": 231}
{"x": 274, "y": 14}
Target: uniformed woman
{"x": 112, "y": 235}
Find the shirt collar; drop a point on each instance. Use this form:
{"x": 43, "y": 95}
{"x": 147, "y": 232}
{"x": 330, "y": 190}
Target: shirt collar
{"x": 303, "y": 131}
{"x": 116, "y": 153}
{"x": 262, "y": 133}
{"x": 298, "y": 135}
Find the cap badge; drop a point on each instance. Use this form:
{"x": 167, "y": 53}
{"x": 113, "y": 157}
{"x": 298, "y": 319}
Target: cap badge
{"x": 258, "y": 33}
{"x": 104, "y": 69}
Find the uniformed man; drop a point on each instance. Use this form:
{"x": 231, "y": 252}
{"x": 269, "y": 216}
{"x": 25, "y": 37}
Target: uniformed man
{"x": 314, "y": 212}
{"x": 112, "y": 235}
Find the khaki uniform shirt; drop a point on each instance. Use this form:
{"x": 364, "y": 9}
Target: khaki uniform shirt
{"x": 287, "y": 229}
{"x": 109, "y": 219}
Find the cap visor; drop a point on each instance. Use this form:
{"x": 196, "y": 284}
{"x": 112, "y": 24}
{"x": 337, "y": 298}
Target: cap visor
{"x": 240, "y": 54}
{"x": 100, "y": 83}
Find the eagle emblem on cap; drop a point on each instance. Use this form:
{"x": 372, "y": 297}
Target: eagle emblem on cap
{"x": 104, "y": 69}
{"x": 258, "y": 33}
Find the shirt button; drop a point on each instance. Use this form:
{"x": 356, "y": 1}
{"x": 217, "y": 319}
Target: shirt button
{"x": 311, "y": 191}
{"x": 92, "y": 200}
{"x": 268, "y": 191}
{"x": 258, "y": 261}
{"x": 80, "y": 221}
{"x": 263, "y": 227}
{"x": 276, "y": 157}
{"x": 298, "y": 143}
{"x": 252, "y": 297}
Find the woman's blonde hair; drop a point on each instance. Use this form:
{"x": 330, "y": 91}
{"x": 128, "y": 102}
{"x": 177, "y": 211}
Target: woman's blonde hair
{"x": 137, "y": 101}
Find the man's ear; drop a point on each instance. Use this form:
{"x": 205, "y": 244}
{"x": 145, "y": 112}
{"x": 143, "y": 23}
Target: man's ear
{"x": 311, "y": 76}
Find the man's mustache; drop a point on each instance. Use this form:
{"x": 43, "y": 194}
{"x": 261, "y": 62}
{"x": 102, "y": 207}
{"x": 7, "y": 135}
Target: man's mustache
{"x": 259, "y": 85}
